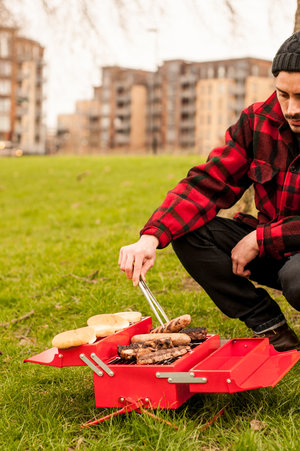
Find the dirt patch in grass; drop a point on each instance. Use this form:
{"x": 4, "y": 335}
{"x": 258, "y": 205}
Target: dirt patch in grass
{"x": 189, "y": 284}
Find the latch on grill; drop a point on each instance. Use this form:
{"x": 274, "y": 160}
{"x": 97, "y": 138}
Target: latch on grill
{"x": 93, "y": 367}
{"x": 182, "y": 378}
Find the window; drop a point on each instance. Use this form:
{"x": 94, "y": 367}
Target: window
{"x": 5, "y": 42}
{"x": 105, "y": 122}
{"x": 255, "y": 70}
{"x": 5, "y": 105}
{"x": 4, "y": 123}
{"x": 231, "y": 72}
{"x": 105, "y": 109}
{"x": 221, "y": 72}
{"x": 5, "y": 87}
{"x": 5, "y": 68}
{"x": 210, "y": 72}
{"x": 221, "y": 88}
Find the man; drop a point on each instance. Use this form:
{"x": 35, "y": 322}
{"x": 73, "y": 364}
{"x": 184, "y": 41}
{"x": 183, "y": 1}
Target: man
{"x": 263, "y": 149}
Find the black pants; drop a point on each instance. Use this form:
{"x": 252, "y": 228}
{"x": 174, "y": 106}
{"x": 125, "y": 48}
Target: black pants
{"x": 206, "y": 255}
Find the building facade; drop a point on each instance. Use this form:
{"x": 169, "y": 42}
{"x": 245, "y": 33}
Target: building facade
{"x": 79, "y": 132}
{"x": 21, "y": 92}
{"x": 183, "y": 105}
{"x": 124, "y": 108}
{"x": 193, "y": 103}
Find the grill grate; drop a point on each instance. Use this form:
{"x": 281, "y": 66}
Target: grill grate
{"x": 119, "y": 361}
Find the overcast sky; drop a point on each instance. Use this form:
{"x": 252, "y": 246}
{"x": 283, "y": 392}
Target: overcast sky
{"x": 198, "y": 34}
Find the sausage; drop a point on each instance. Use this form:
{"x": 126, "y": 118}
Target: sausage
{"x": 177, "y": 339}
{"x": 175, "y": 325}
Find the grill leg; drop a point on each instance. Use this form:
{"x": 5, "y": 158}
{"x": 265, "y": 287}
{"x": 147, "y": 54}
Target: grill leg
{"x": 130, "y": 405}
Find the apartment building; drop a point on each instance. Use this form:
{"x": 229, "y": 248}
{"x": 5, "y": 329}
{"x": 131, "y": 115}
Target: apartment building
{"x": 181, "y": 105}
{"x": 223, "y": 90}
{"x": 191, "y": 104}
{"x": 175, "y": 101}
{"x": 79, "y": 132}
{"x": 21, "y": 91}
{"x": 124, "y": 108}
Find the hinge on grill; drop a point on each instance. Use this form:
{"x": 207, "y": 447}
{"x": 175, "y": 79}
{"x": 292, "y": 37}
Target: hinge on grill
{"x": 182, "y": 378}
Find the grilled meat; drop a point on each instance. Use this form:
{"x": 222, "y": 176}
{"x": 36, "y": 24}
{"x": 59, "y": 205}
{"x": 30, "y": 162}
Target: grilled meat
{"x": 130, "y": 352}
{"x": 174, "y": 325}
{"x": 163, "y": 354}
{"x": 177, "y": 339}
{"x": 195, "y": 333}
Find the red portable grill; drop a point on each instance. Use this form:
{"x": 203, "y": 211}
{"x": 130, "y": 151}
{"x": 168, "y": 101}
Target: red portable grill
{"x": 210, "y": 367}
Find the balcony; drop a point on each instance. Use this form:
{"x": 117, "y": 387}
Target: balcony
{"x": 189, "y": 93}
{"x": 122, "y": 124}
{"x": 21, "y": 111}
{"x": 19, "y": 129}
{"x": 22, "y": 96}
{"x": 40, "y": 79}
{"x": 188, "y": 78}
{"x": 123, "y": 110}
{"x": 187, "y": 124}
{"x": 123, "y": 97}
{"x": 239, "y": 75}
{"x": 94, "y": 126}
{"x": 22, "y": 58}
{"x": 237, "y": 106}
{"x": 40, "y": 96}
{"x": 21, "y": 76}
{"x": 121, "y": 139}
{"x": 122, "y": 84}
{"x": 156, "y": 109}
{"x": 237, "y": 90}
{"x": 188, "y": 108}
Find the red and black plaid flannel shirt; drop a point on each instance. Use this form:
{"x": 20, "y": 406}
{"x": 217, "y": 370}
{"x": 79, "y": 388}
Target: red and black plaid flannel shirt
{"x": 259, "y": 149}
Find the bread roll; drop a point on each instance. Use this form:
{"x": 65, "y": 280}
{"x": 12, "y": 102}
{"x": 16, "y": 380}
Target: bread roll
{"x": 177, "y": 339}
{"x": 132, "y": 317}
{"x": 75, "y": 337}
{"x": 107, "y": 324}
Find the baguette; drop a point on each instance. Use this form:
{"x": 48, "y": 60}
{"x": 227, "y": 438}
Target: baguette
{"x": 176, "y": 339}
{"x": 175, "y": 325}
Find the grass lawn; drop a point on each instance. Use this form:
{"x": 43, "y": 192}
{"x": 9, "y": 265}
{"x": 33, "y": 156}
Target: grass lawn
{"x": 63, "y": 220}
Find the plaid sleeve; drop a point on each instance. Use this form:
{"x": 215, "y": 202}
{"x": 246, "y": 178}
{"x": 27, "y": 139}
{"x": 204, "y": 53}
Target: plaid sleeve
{"x": 216, "y": 184}
{"x": 279, "y": 238}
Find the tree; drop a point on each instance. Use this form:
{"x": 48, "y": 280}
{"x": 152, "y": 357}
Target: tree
{"x": 297, "y": 17}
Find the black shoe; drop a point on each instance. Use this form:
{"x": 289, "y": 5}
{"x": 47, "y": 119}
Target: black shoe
{"x": 283, "y": 338}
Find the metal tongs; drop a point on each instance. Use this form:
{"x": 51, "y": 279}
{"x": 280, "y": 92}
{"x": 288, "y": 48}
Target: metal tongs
{"x": 154, "y": 304}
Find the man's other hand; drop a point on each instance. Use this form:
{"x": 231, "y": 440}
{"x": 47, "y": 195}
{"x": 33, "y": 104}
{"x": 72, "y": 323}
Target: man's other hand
{"x": 137, "y": 258}
{"x": 243, "y": 253}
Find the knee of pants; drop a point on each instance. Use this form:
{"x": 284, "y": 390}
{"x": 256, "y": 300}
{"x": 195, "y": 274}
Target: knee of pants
{"x": 290, "y": 283}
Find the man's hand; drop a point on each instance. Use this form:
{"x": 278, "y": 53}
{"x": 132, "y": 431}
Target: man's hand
{"x": 137, "y": 258}
{"x": 243, "y": 253}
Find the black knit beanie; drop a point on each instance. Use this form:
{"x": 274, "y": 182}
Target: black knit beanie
{"x": 288, "y": 56}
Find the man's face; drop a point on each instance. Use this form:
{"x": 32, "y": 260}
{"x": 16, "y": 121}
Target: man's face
{"x": 288, "y": 94}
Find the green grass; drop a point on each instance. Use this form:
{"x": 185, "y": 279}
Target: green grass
{"x": 66, "y": 216}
